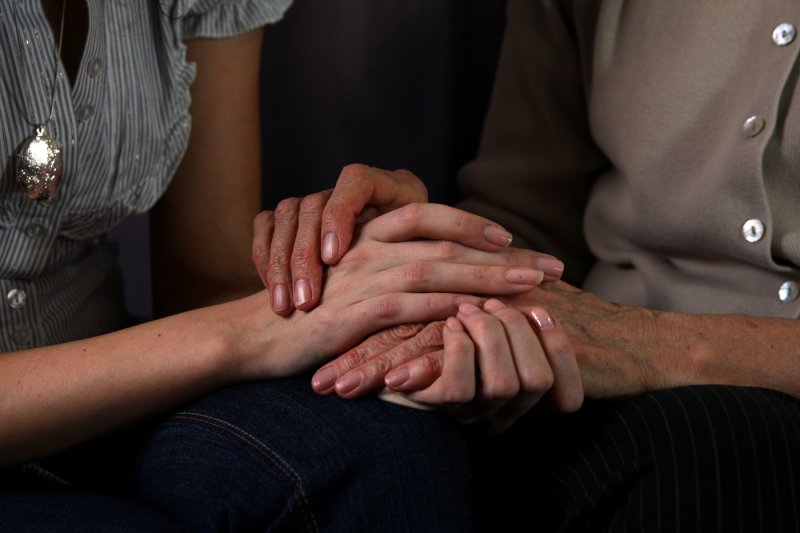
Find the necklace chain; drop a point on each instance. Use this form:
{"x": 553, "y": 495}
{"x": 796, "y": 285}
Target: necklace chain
{"x": 56, "y": 68}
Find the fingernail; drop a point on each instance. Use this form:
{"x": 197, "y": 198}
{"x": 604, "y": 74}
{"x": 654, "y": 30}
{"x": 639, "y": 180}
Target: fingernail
{"x": 455, "y": 324}
{"x": 396, "y": 377}
{"x": 325, "y": 378}
{"x": 497, "y": 235}
{"x": 466, "y": 299}
{"x": 542, "y": 319}
{"x": 493, "y": 305}
{"x": 550, "y": 266}
{"x": 280, "y": 298}
{"x": 302, "y": 292}
{"x": 349, "y": 382}
{"x": 524, "y": 276}
{"x": 468, "y": 309}
{"x": 330, "y": 246}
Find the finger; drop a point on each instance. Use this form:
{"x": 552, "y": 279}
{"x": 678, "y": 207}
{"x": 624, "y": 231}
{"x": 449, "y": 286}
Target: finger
{"x": 455, "y": 387}
{"x": 498, "y": 376}
{"x": 279, "y": 273}
{"x": 370, "y": 376}
{"x": 325, "y": 378}
{"x": 532, "y": 366}
{"x": 379, "y": 312}
{"x": 360, "y": 186}
{"x": 567, "y": 392}
{"x": 305, "y": 261}
{"x": 436, "y": 221}
{"x": 427, "y": 276}
{"x": 263, "y": 226}
{"x": 451, "y": 252}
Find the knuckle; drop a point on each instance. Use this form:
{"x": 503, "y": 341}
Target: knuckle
{"x": 356, "y": 357}
{"x": 262, "y": 219}
{"x": 386, "y": 307}
{"x": 311, "y": 207}
{"x": 462, "y": 222}
{"x": 351, "y": 173}
{"x": 286, "y": 209}
{"x": 445, "y": 250}
{"x": 457, "y": 393}
{"x": 431, "y": 364}
{"x": 431, "y": 336}
{"x": 410, "y": 214}
{"x": 417, "y": 271}
{"x": 404, "y": 331}
{"x": 501, "y": 388}
{"x": 379, "y": 366}
{"x": 537, "y": 379}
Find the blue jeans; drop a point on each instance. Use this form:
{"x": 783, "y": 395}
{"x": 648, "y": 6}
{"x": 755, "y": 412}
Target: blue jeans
{"x": 274, "y": 456}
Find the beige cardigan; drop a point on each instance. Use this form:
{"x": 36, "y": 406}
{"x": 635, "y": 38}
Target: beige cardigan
{"x": 618, "y": 139}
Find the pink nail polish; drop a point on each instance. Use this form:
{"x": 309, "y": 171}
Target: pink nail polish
{"x": 348, "y": 382}
{"x": 330, "y": 246}
{"x": 396, "y": 377}
{"x": 524, "y": 276}
{"x": 302, "y": 292}
{"x": 280, "y": 298}
{"x": 543, "y": 319}
{"x": 324, "y": 379}
{"x": 550, "y": 266}
{"x": 497, "y": 235}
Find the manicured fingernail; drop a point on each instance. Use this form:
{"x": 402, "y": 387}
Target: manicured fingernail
{"x": 330, "y": 246}
{"x": 542, "y": 319}
{"x": 349, "y": 382}
{"x": 524, "y": 276}
{"x": 302, "y": 292}
{"x": 455, "y": 324}
{"x": 280, "y": 298}
{"x": 396, "y": 377}
{"x": 325, "y": 378}
{"x": 468, "y": 309}
{"x": 493, "y": 305}
{"x": 550, "y": 266}
{"x": 497, "y": 235}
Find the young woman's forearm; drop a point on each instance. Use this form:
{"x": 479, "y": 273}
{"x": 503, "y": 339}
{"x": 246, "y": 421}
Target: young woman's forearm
{"x": 55, "y": 397}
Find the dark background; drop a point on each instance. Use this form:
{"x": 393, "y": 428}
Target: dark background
{"x": 389, "y": 83}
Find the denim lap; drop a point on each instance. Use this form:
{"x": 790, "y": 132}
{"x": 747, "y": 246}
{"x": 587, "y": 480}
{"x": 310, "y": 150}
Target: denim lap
{"x": 274, "y": 456}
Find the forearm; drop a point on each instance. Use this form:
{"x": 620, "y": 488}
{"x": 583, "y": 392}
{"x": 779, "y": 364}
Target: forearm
{"x": 54, "y": 397}
{"x": 732, "y": 350}
{"x": 624, "y": 350}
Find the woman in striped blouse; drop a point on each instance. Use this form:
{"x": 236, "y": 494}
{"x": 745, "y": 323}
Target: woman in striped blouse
{"x": 155, "y": 101}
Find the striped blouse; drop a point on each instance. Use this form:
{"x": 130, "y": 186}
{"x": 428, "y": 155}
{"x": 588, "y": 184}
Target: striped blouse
{"x": 123, "y": 128}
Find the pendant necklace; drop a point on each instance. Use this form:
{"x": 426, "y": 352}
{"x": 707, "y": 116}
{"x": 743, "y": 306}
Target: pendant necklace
{"x": 38, "y": 164}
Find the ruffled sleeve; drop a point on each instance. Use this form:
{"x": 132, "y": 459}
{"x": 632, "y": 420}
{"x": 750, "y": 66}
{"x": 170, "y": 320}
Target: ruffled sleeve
{"x": 218, "y": 19}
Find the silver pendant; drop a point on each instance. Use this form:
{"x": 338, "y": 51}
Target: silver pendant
{"x": 38, "y": 165}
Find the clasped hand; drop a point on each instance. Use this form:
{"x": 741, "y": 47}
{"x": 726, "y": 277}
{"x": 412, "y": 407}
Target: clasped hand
{"x": 488, "y": 361}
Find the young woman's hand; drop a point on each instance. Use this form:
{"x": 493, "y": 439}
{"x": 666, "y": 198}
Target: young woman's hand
{"x": 397, "y": 272}
{"x": 490, "y": 365}
{"x": 292, "y": 245}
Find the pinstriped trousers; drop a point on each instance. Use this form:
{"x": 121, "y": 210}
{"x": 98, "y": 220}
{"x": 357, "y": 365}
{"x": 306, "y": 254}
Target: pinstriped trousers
{"x": 705, "y": 458}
